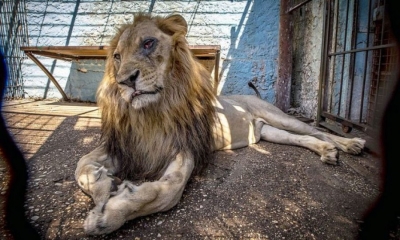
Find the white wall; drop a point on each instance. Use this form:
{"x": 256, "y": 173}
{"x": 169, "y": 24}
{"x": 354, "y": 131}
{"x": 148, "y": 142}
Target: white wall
{"x": 247, "y": 31}
{"x": 307, "y": 47}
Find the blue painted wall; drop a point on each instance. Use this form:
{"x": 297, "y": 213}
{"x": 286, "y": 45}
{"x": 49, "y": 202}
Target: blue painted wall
{"x": 253, "y": 55}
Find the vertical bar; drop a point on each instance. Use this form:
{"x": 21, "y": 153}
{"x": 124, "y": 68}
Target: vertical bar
{"x": 352, "y": 60}
{"x": 26, "y": 24}
{"x": 12, "y": 40}
{"x": 283, "y": 85}
{"x": 344, "y": 57}
{"x": 379, "y": 68}
{"x": 216, "y": 71}
{"x": 335, "y": 49}
{"x": 26, "y": 40}
{"x": 329, "y": 33}
{"x": 366, "y": 60}
{"x": 324, "y": 58}
{"x": 19, "y": 44}
{"x": 349, "y": 97}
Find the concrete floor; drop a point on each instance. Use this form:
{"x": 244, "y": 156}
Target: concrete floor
{"x": 265, "y": 191}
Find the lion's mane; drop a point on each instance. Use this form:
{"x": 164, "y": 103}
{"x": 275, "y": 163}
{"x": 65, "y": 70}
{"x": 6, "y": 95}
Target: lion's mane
{"x": 143, "y": 142}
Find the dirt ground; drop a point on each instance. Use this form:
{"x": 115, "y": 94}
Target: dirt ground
{"x": 265, "y": 191}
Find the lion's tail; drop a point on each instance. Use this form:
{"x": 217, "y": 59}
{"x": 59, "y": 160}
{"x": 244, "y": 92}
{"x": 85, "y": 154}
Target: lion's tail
{"x": 254, "y": 88}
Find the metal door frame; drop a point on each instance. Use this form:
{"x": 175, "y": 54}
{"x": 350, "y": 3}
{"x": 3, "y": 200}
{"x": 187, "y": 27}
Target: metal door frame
{"x": 335, "y": 121}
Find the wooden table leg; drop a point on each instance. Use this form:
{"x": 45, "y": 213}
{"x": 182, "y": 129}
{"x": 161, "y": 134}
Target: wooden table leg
{"x": 216, "y": 71}
{"x": 51, "y": 77}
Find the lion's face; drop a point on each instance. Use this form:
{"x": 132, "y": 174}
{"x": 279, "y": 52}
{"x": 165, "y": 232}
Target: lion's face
{"x": 140, "y": 60}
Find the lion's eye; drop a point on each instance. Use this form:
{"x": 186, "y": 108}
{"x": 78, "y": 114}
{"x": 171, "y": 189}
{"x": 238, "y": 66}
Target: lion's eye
{"x": 117, "y": 56}
{"x": 148, "y": 44}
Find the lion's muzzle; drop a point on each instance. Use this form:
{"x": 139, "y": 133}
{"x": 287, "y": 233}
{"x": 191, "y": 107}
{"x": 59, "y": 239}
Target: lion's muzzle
{"x": 131, "y": 80}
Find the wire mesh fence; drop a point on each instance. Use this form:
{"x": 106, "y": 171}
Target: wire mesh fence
{"x": 13, "y": 34}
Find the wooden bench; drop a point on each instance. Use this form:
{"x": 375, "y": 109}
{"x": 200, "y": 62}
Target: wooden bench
{"x": 208, "y": 55}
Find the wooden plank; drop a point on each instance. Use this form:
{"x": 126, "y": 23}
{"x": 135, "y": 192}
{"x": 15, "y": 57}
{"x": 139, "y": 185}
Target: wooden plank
{"x": 84, "y": 52}
{"x": 205, "y": 53}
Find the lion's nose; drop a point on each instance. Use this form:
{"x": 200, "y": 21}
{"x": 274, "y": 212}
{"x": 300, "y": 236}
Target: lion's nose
{"x": 130, "y": 81}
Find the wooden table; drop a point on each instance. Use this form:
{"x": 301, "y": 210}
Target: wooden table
{"x": 208, "y": 55}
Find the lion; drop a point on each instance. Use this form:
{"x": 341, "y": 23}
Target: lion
{"x": 161, "y": 121}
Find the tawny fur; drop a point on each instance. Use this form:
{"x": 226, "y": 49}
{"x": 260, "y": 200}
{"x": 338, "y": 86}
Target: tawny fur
{"x": 144, "y": 141}
{"x": 160, "y": 119}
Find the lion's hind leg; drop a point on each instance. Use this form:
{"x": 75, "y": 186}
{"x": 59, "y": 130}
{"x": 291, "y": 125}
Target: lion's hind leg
{"x": 348, "y": 145}
{"x": 273, "y": 116}
{"x": 326, "y": 150}
{"x": 280, "y": 120}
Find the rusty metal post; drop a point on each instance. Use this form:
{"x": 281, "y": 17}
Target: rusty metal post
{"x": 284, "y": 81}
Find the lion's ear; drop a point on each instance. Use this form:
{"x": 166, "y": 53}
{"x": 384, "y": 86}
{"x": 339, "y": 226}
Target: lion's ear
{"x": 173, "y": 24}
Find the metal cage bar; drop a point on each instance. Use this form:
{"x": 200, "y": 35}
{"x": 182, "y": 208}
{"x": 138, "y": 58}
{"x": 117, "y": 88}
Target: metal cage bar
{"x": 367, "y": 63}
{"x": 13, "y": 34}
{"x": 344, "y": 57}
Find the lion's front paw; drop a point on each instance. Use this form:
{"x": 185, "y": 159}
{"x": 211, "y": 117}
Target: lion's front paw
{"x": 329, "y": 154}
{"x": 93, "y": 223}
{"x": 97, "y": 182}
{"x": 355, "y": 146}
{"x": 100, "y": 222}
